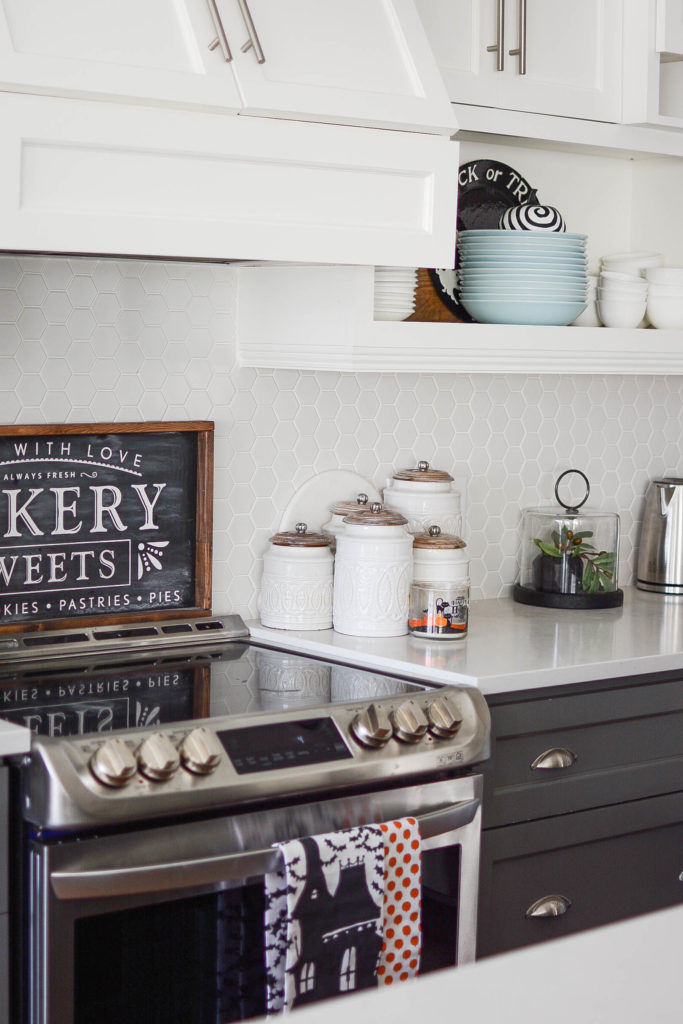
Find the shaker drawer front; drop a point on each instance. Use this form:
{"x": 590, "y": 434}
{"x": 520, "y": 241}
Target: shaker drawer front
{"x": 566, "y": 754}
{"x": 547, "y": 879}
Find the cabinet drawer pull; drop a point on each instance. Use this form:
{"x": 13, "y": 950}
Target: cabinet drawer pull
{"x": 556, "y": 757}
{"x": 221, "y": 38}
{"x": 499, "y": 46}
{"x": 549, "y": 906}
{"x": 253, "y": 39}
{"x": 520, "y": 51}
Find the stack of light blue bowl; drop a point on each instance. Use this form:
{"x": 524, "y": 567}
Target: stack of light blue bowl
{"x": 522, "y": 277}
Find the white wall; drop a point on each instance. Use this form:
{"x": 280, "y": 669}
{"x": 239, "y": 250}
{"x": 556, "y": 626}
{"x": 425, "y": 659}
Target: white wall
{"x": 102, "y": 340}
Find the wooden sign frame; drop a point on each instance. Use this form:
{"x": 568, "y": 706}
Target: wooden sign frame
{"x": 104, "y": 523}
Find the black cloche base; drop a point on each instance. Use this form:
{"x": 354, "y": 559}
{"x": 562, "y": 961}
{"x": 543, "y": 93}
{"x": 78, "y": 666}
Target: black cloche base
{"x": 545, "y": 599}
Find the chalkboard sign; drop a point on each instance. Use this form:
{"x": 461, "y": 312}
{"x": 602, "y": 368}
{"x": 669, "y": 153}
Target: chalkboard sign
{"x": 104, "y": 523}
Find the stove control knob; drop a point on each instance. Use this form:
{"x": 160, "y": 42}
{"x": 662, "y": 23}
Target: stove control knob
{"x": 158, "y": 758}
{"x": 201, "y": 751}
{"x": 410, "y": 722}
{"x": 371, "y": 727}
{"x": 443, "y": 718}
{"x": 113, "y": 763}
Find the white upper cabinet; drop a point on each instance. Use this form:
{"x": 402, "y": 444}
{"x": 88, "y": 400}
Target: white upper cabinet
{"x": 545, "y": 56}
{"x": 361, "y": 62}
{"x": 669, "y": 38}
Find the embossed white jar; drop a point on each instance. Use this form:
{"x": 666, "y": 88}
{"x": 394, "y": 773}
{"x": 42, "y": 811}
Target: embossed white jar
{"x": 296, "y": 586}
{"x": 372, "y": 574}
{"x": 425, "y": 497}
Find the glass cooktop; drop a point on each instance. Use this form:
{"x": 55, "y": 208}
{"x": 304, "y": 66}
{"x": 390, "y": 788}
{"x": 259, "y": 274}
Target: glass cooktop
{"x": 104, "y": 694}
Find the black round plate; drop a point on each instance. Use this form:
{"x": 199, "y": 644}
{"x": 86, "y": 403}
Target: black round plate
{"x": 485, "y": 189}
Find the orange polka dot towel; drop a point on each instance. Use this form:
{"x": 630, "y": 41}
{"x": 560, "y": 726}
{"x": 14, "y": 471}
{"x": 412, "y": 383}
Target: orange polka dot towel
{"x": 402, "y": 901}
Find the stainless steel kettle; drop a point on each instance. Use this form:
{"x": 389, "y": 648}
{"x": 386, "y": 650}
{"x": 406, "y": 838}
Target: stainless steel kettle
{"x": 660, "y": 554}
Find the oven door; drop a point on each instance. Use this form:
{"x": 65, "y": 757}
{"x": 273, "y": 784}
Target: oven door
{"x": 165, "y": 925}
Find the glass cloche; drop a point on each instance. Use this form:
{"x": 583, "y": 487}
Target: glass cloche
{"x": 569, "y": 555}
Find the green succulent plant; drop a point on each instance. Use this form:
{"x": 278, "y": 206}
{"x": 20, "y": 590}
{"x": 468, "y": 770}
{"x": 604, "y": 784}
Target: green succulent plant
{"x": 598, "y": 566}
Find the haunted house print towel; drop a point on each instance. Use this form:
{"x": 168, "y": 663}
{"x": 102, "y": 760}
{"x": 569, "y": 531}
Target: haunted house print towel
{"x": 323, "y": 917}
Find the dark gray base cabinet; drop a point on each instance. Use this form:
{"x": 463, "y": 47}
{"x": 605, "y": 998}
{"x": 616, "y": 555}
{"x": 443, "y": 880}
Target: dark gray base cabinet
{"x": 599, "y": 837}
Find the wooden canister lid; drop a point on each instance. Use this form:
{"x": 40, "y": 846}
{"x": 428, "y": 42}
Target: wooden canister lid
{"x": 376, "y": 515}
{"x": 423, "y": 474}
{"x": 435, "y": 540}
{"x": 299, "y": 538}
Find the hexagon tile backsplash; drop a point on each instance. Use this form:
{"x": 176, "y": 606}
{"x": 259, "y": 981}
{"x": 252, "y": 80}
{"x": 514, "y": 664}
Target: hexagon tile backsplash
{"x": 85, "y": 340}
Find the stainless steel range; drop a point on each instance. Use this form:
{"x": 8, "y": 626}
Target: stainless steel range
{"x": 167, "y": 761}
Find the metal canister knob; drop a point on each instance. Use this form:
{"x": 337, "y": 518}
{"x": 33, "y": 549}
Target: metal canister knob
{"x": 158, "y": 758}
{"x": 113, "y": 763}
{"x": 409, "y": 722}
{"x": 371, "y": 727}
{"x": 443, "y": 718}
{"x": 201, "y": 751}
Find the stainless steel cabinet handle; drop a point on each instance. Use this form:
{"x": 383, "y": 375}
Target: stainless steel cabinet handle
{"x": 253, "y": 39}
{"x": 499, "y": 46}
{"x": 221, "y": 38}
{"x": 549, "y": 906}
{"x": 556, "y": 757}
{"x": 520, "y": 50}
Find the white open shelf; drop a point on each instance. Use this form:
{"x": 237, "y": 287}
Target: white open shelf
{"x": 321, "y": 318}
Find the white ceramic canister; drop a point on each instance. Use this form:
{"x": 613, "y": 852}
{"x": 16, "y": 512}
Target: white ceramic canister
{"x": 372, "y": 574}
{"x": 425, "y": 496}
{"x": 296, "y": 586}
{"x": 440, "y": 591}
{"x": 338, "y": 511}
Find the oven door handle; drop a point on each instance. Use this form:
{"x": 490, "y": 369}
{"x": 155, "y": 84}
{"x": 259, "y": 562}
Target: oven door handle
{"x": 83, "y": 883}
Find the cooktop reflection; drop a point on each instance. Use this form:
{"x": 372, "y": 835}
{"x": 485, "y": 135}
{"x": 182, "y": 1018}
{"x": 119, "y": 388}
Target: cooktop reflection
{"x": 100, "y": 695}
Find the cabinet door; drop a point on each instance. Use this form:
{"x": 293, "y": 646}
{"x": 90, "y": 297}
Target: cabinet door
{"x": 670, "y": 27}
{"x": 597, "y": 867}
{"x": 573, "y": 54}
{"x": 145, "y": 50}
{"x": 358, "y": 62}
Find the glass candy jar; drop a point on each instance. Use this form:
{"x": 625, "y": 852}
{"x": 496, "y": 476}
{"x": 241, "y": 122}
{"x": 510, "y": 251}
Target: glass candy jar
{"x": 440, "y": 591}
{"x": 569, "y": 555}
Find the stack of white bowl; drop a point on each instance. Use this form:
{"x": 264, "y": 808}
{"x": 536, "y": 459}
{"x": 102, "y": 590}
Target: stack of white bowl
{"x": 522, "y": 277}
{"x": 395, "y": 292}
{"x": 622, "y": 299}
{"x": 623, "y": 287}
{"x": 665, "y": 296}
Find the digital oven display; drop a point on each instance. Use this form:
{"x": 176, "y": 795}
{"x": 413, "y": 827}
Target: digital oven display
{"x": 265, "y": 748}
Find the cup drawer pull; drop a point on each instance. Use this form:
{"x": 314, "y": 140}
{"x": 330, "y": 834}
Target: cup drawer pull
{"x": 549, "y": 906}
{"x": 556, "y": 757}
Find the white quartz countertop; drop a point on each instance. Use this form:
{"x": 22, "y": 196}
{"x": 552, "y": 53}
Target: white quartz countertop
{"x": 512, "y": 646}
{"x": 627, "y": 972}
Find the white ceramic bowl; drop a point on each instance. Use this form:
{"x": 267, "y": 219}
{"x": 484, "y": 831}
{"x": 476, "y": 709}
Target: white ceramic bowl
{"x": 632, "y": 262}
{"x": 618, "y": 275}
{"x": 664, "y": 289}
{"x": 665, "y": 311}
{"x": 621, "y": 312}
{"x": 616, "y": 292}
{"x": 665, "y": 275}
